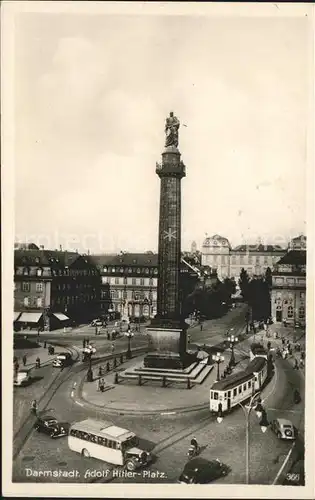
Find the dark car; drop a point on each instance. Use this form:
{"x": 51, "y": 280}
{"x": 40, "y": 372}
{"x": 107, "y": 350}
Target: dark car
{"x": 50, "y": 425}
{"x": 201, "y": 471}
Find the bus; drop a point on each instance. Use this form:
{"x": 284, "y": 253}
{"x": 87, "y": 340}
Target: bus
{"x": 107, "y": 442}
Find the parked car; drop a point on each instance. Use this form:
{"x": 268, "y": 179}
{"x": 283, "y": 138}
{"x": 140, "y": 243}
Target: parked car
{"x": 63, "y": 359}
{"x": 284, "y": 429}
{"x": 22, "y": 378}
{"x": 50, "y": 425}
{"x": 201, "y": 471}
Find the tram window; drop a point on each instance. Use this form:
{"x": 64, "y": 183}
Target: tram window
{"x": 229, "y": 394}
{"x": 249, "y": 384}
{"x": 211, "y": 394}
{"x": 225, "y": 395}
{"x": 255, "y": 378}
{"x": 244, "y": 387}
{"x": 234, "y": 392}
{"x": 240, "y": 389}
{"x": 215, "y": 395}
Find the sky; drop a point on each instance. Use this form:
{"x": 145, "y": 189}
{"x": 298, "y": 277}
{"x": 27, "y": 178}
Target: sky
{"x": 91, "y": 96}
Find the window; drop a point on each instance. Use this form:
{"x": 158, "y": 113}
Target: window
{"x": 151, "y": 281}
{"x": 125, "y": 294}
{"x": 39, "y": 302}
{"x": 105, "y": 269}
{"x": 125, "y": 281}
{"x": 39, "y": 287}
{"x": 215, "y": 395}
{"x": 25, "y": 287}
{"x": 223, "y": 259}
{"x": 25, "y": 271}
{"x": 302, "y": 312}
{"x": 147, "y": 270}
{"x": 250, "y": 259}
{"x": 265, "y": 260}
{"x": 134, "y": 281}
{"x": 142, "y": 295}
{"x": 137, "y": 295}
{"x": 241, "y": 259}
{"x": 244, "y": 387}
{"x": 26, "y": 301}
{"x": 240, "y": 389}
{"x": 155, "y": 271}
{"x": 290, "y": 312}
{"x": 234, "y": 392}
{"x": 138, "y": 270}
{"x": 39, "y": 272}
{"x": 116, "y": 281}
{"x": 113, "y": 269}
{"x": 302, "y": 295}
{"x": 121, "y": 270}
{"x": 249, "y": 384}
{"x": 142, "y": 281}
{"x": 129, "y": 270}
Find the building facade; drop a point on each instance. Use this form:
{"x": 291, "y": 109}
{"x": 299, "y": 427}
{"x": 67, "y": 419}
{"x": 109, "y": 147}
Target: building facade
{"x": 228, "y": 262}
{"x": 288, "y": 294}
{"x": 51, "y": 287}
{"x": 129, "y": 283}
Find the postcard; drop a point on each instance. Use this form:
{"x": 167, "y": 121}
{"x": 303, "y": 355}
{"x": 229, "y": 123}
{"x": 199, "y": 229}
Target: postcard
{"x": 158, "y": 237}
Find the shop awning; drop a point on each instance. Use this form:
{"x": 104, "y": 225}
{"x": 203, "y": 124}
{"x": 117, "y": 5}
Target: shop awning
{"x": 30, "y": 317}
{"x": 61, "y": 316}
{"x": 16, "y": 315}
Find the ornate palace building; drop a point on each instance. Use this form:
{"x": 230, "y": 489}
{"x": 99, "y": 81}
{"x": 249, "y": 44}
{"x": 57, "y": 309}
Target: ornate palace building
{"x": 53, "y": 287}
{"x": 218, "y": 254}
{"x": 288, "y": 295}
{"x": 129, "y": 283}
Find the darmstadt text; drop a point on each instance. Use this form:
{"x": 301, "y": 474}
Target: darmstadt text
{"x": 94, "y": 473}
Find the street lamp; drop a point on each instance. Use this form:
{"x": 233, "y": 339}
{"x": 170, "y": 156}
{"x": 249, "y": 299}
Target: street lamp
{"x": 254, "y": 404}
{"x": 232, "y": 339}
{"x": 218, "y": 358}
{"x": 129, "y": 334}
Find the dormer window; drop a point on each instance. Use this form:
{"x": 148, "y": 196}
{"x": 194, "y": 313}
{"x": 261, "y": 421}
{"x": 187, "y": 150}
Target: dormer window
{"x": 25, "y": 271}
{"x": 104, "y": 269}
{"x": 155, "y": 270}
{"x": 147, "y": 270}
{"x": 129, "y": 270}
{"x": 113, "y": 269}
{"x": 138, "y": 270}
{"x": 121, "y": 270}
{"x": 37, "y": 260}
{"x": 39, "y": 272}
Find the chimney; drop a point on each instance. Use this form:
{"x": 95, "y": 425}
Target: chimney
{"x": 60, "y": 246}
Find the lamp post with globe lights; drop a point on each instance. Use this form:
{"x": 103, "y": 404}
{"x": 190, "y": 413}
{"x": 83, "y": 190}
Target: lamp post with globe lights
{"x": 129, "y": 334}
{"x": 255, "y": 403}
{"x": 218, "y": 358}
{"x": 232, "y": 340}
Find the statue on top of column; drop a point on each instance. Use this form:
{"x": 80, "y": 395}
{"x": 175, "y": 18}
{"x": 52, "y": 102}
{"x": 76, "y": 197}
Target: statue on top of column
{"x": 172, "y": 125}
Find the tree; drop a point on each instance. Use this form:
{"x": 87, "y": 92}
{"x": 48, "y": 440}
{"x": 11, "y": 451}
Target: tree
{"x": 259, "y": 299}
{"x": 243, "y": 283}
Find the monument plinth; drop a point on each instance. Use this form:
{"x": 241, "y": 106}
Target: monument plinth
{"x": 167, "y": 331}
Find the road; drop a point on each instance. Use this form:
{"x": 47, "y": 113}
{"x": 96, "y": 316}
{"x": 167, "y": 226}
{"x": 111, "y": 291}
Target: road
{"x": 169, "y": 436}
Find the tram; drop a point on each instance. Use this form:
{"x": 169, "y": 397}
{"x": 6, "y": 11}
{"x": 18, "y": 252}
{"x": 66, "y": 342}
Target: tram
{"x": 239, "y": 387}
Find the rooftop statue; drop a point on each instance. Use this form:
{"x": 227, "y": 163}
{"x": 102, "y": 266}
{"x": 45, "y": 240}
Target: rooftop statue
{"x": 172, "y": 125}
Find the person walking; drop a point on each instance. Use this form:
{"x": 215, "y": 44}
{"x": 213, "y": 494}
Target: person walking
{"x": 24, "y": 360}
{"x": 113, "y": 347}
{"x": 34, "y": 407}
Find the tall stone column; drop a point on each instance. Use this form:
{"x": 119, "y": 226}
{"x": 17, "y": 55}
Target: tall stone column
{"x": 167, "y": 332}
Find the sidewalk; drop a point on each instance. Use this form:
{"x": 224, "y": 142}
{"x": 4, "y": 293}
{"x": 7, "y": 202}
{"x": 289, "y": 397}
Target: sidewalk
{"x": 36, "y": 352}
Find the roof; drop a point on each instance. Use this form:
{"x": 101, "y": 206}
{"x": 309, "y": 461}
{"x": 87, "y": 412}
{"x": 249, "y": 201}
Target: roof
{"x": 227, "y": 383}
{"x": 258, "y": 248}
{"x": 101, "y": 428}
{"x": 126, "y": 259}
{"x": 216, "y": 237}
{"x": 24, "y": 257}
{"x": 293, "y": 257}
{"x": 256, "y": 365}
{"x": 284, "y": 421}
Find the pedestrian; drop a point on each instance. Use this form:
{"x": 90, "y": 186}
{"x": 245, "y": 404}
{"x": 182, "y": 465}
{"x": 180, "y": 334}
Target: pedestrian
{"x": 201, "y": 326}
{"x": 303, "y": 355}
{"x": 283, "y": 340}
{"x": 188, "y": 339}
{"x": 100, "y": 371}
{"x": 296, "y": 366}
{"x": 113, "y": 347}
{"x": 102, "y": 385}
{"x": 268, "y": 345}
{"x": 83, "y": 343}
{"x": 24, "y": 360}
{"x": 34, "y": 407}
{"x": 37, "y": 362}
{"x": 301, "y": 363}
